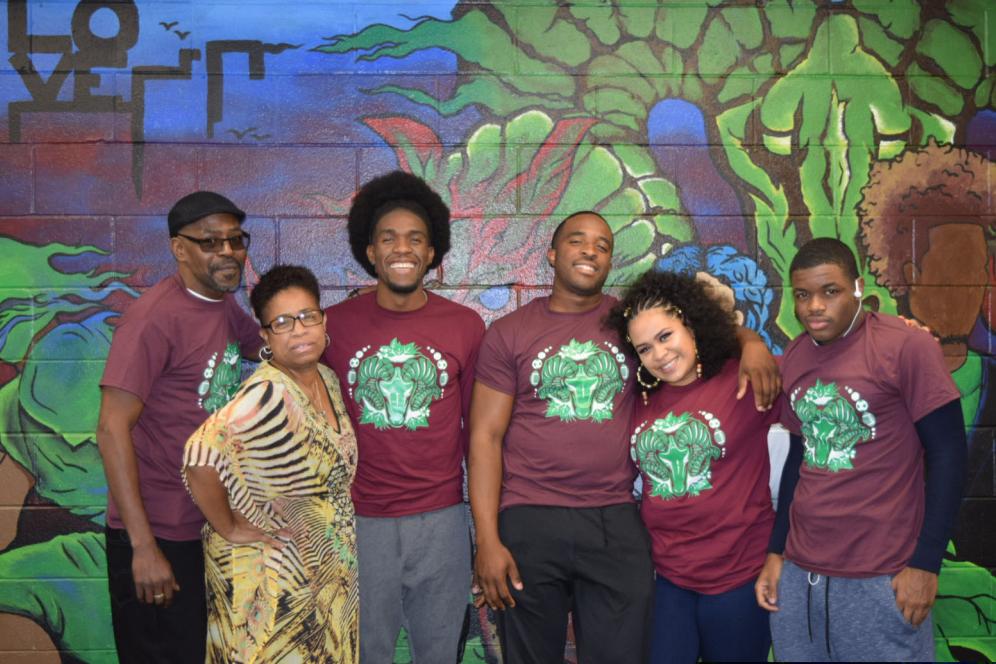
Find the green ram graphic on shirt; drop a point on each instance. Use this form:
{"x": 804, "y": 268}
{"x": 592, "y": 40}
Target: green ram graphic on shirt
{"x": 832, "y": 425}
{"x": 221, "y": 379}
{"x": 396, "y": 385}
{"x": 579, "y": 381}
{"x": 676, "y": 453}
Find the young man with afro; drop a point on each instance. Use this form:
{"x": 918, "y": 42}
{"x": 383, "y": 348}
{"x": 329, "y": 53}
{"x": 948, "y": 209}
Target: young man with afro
{"x": 406, "y": 357}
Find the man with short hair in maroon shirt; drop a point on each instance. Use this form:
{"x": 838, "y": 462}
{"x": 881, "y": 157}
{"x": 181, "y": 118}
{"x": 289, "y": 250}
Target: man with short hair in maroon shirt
{"x": 174, "y": 359}
{"x": 860, "y": 530}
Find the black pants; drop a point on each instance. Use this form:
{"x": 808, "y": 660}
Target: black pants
{"x": 146, "y": 633}
{"x": 593, "y": 562}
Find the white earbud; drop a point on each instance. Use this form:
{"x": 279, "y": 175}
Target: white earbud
{"x": 857, "y": 289}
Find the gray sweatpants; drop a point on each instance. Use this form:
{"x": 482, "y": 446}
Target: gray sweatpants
{"x": 414, "y": 572}
{"x": 837, "y": 619}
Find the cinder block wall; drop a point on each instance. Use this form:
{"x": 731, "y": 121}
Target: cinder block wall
{"x": 715, "y": 137}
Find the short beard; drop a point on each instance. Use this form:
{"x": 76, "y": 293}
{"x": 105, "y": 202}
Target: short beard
{"x": 223, "y": 288}
{"x": 402, "y": 290}
{"x": 584, "y": 292}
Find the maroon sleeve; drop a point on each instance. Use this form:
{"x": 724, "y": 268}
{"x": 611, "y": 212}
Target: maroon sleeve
{"x": 787, "y": 415}
{"x": 495, "y": 362}
{"x": 924, "y": 378}
{"x": 139, "y": 354}
{"x": 246, "y": 330}
{"x": 777, "y": 413}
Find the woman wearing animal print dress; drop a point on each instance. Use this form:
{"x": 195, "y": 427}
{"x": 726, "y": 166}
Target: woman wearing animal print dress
{"x": 272, "y": 472}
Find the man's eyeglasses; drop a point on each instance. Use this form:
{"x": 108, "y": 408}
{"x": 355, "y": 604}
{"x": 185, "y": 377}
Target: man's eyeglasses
{"x": 285, "y": 322}
{"x": 213, "y": 245}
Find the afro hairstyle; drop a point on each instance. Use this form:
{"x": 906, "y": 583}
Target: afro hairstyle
{"x": 391, "y": 191}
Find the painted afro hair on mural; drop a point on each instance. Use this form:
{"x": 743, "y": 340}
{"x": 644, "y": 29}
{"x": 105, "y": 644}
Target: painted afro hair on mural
{"x": 930, "y": 186}
{"x": 392, "y": 191}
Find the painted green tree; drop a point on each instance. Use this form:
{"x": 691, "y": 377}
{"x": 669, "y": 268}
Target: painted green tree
{"x": 802, "y": 96}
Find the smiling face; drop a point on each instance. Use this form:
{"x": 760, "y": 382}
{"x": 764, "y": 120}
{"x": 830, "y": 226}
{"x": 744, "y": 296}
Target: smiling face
{"x": 300, "y": 347}
{"x": 211, "y": 275}
{"x": 582, "y": 255}
{"x": 825, "y": 302}
{"x": 400, "y": 250}
{"x": 665, "y": 345}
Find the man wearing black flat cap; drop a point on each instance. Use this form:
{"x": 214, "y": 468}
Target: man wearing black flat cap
{"x": 174, "y": 360}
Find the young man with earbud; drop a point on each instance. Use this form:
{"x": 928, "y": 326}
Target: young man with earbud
{"x": 861, "y": 529}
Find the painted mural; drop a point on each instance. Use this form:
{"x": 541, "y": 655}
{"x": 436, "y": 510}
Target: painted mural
{"x": 714, "y": 136}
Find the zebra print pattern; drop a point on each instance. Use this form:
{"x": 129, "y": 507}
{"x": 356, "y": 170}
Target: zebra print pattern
{"x": 286, "y": 469}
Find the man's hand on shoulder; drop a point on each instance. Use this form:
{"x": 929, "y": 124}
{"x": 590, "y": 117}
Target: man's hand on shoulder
{"x": 758, "y": 367}
{"x": 914, "y": 324}
{"x": 916, "y": 590}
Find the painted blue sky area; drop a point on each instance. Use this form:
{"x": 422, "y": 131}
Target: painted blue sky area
{"x": 305, "y": 96}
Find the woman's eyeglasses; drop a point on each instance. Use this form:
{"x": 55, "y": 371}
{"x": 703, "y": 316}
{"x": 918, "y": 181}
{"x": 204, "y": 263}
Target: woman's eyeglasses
{"x": 286, "y": 322}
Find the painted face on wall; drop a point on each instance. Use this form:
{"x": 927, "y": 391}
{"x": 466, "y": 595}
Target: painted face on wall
{"x": 665, "y": 345}
{"x": 825, "y": 302}
{"x": 211, "y": 274}
{"x": 582, "y": 254}
{"x": 301, "y": 345}
{"x": 400, "y": 250}
{"x": 948, "y": 286}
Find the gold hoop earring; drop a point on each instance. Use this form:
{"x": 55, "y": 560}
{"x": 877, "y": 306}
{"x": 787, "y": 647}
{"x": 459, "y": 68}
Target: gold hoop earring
{"x": 328, "y": 340}
{"x": 646, "y": 386}
{"x": 265, "y": 354}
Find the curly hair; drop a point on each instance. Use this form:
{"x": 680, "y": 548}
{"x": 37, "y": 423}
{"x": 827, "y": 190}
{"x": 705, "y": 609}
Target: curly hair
{"x": 391, "y": 191}
{"x": 279, "y": 278}
{"x": 937, "y": 184}
{"x": 712, "y": 326}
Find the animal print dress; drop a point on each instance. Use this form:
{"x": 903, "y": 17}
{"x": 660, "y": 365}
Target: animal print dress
{"x": 285, "y": 468}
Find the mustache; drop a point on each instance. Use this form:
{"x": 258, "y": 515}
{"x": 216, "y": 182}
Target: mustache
{"x": 225, "y": 264}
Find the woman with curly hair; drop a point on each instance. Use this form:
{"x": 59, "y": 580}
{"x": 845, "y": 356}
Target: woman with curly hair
{"x": 703, "y": 460}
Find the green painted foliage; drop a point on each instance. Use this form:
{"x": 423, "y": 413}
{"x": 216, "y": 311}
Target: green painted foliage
{"x": 839, "y": 103}
{"x": 900, "y": 17}
{"x": 952, "y": 51}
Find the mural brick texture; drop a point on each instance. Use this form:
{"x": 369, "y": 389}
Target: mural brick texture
{"x": 714, "y": 136}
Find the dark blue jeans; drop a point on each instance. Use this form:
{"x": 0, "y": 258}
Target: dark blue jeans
{"x": 729, "y": 627}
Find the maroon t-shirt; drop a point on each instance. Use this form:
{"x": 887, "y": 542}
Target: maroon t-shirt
{"x": 407, "y": 378}
{"x": 703, "y": 458}
{"x": 181, "y": 355}
{"x": 858, "y": 507}
{"x": 567, "y": 443}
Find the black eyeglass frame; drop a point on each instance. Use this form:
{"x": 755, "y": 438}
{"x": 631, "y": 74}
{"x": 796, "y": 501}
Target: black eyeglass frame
{"x": 295, "y": 319}
{"x": 214, "y": 245}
